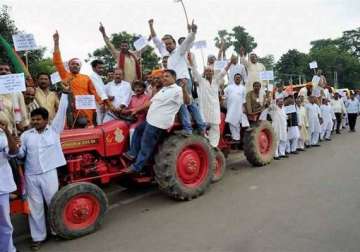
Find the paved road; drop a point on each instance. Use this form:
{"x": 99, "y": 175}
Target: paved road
{"x": 307, "y": 203}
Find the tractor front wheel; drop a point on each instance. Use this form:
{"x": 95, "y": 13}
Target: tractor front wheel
{"x": 184, "y": 166}
{"x": 259, "y": 143}
{"x": 77, "y": 209}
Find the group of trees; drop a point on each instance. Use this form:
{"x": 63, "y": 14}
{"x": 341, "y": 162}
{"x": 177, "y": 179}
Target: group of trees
{"x": 336, "y": 57}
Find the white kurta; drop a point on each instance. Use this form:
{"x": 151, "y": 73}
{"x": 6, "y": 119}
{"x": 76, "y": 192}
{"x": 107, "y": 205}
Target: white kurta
{"x": 313, "y": 114}
{"x": 235, "y": 97}
{"x": 253, "y": 73}
{"x": 328, "y": 115}
{"x": 279, "y": 123}
{"x": 209, "y": 96}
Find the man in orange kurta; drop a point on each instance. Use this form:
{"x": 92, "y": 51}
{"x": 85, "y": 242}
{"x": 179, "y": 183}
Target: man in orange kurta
{"x": 80, "y": 84}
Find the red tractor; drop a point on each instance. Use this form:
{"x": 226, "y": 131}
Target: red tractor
{"x": 183, "y": 168}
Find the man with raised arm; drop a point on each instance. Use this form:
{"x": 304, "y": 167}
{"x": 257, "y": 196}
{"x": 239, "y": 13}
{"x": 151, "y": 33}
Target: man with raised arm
{"x": 41, "y": 148}
{"x": 177, "y": 62}
{"x": 79, "y": 84}
{"x": 126, "y": 59}
{"x": 253, "y": 68}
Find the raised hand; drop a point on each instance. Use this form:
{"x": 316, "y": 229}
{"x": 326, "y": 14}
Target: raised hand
{"x": 233, "y": 59}
{"x": 193, "y": 27}
{"x": 56, "y": 37}
{"x": 102, "y": 28}
{"x": 151, "y": 22}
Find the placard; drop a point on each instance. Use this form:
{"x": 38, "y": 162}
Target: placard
{"x": 201, "y": 44}
{"x": 266, "y": 75}
{"x": 85, "y": 102}
{"x": 55, "y": 77}
{"x": 313, "y": 65}
{"x": 220, "y": 64}
{"x": 24, "y": 42}
{"x": 12, "y": 83}
{"x": 141, "y": 43}
{"x": 290, "y": 109}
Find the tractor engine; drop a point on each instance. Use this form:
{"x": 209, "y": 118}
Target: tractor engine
{"x": 93, "y": 153}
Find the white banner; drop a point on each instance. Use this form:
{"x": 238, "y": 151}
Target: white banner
{"x": 141, "y": 43}
{"x": 12, "y": 83}
{"x": 290, "y": 109}
{"x": 24, "y": 42}
{"x": 201, "y": 44}
{"x": 220, "y": 64}
{"x": 313, "y": 65}
{"x": 267, "y": 75}
{"x": 55, "y": 77}
{"x": 85, "y": 102}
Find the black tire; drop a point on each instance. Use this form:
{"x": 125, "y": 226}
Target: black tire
{"x": 79, "y": 227}
{"x": 166, "y": 166}
{"x": 220, "y": 166}
{"x": 252, "y": 149}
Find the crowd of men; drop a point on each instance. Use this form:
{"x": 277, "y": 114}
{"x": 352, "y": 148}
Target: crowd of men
{"x": 300, "y": 119}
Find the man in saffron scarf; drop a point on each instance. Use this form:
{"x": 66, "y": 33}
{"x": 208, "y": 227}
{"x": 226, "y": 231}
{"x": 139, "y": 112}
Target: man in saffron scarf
{"x": 126, "y": 59}
{"x": 80, "y": 84}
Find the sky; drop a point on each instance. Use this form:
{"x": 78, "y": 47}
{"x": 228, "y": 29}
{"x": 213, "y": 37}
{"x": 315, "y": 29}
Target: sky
{"x": 276, "y": 25}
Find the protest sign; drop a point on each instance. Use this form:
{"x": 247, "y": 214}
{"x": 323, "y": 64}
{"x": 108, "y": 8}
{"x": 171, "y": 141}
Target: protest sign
{"x": 290, "y": 109}
{"x": 85, "y": 102}
{"x": 313, "y": 65}
{"x": 12, "y": 83}
{"x": 24, "y": 42}
{"x": 55, "y": 77}
{"x": 201, "y": 44}
{"x": 141, "y": 43}
{"x": 267, "y": 75}
{"x": 220, "y": 64}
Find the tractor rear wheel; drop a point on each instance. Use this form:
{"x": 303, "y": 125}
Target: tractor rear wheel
{"x": 220, "y": 167}
{"x": 184, "y": 166}
{"x": 77, "y": 209}
{"x": 259, "y": 143}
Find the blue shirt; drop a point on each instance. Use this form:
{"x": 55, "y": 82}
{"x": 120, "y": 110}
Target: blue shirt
{"x": 42, "y": 151}
{"x": 352, "y": 106}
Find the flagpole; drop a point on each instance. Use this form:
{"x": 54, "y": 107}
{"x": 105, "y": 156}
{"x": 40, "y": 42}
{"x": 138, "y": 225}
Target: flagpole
{"x": 186, "y": 16}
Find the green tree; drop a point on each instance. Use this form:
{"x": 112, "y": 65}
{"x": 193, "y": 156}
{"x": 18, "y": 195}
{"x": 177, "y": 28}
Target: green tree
{"x": 291, "y": 65}
{"x": 150, "y": 60}
{"x": 223, "y": 35}
{"x": 241, "y": 38}
{"x": 334, "y": 59}
{"x": 350, "y": 41}
{"x": 268, "y": 61}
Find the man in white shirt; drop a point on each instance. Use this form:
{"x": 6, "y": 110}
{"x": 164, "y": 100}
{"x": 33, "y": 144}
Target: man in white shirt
{"x": 177, "y": 62}
{"x": 339, "y": 109}
{"x": 328, "y": 116}
{"x": 119, "y": 93}
{"x": 353, "y": 110}
{"x": 235, "y": 98}
{"x": 209, "y": 99}
{"x": 98, "y": 71}
{"x": 235, "y": 69}
{"x": 314, "y": 119}
{"x": 161, "y": 115}
{"x": 253, "y": 68}
{"x": 41, "y": 148}
{"x": 7, "y": 185}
